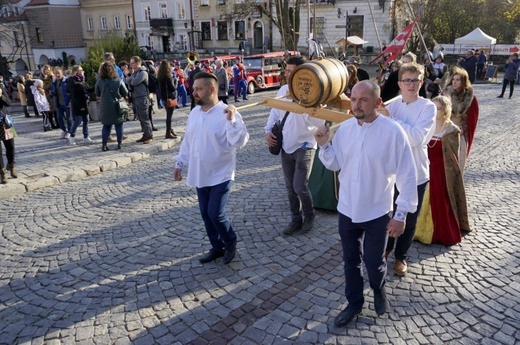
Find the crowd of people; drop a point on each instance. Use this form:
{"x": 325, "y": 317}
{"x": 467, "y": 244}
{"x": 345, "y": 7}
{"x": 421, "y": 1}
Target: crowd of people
{"x": 400, "y": 159}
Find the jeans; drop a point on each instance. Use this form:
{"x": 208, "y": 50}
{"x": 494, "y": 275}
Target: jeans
{"x": 105, "y": 133}
{"x": 77, "y": 121}
{"x": 297, "y": 168}
{"x": 405, "y": 240}
{"x": 212, "y": 204}
{"x": 181, "y": 94}
{"x": 363, "y": 241}
{"x": 63, "y": 114}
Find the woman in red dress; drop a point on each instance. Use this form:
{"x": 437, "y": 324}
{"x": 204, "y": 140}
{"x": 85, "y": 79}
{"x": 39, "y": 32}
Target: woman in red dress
{"x": 444, "y": 213}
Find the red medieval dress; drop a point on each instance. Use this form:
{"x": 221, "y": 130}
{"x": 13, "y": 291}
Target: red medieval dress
{"x": 443, "y": 215}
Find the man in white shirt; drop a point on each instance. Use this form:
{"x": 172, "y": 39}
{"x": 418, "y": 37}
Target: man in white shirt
{"x": 298, "y": 149}
{"x": 372, "y": 154}
{"x": 214, "y": 133}
{"x": 416, "y": 115}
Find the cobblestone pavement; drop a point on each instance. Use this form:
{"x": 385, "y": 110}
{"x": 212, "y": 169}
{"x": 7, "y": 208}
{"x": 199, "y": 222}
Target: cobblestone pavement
{"x": 113, "y": 258}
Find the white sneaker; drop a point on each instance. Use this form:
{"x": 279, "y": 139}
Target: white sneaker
{"x": 87, "y": 140}
{"x": 72, "y": 141}
{"x": 67, "y": 136}
{"x": 64, "y": 135}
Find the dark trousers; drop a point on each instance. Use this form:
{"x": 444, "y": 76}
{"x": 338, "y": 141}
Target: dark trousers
{"x": 212, "y": 204}
{"x": 363, "y": 242}
{"x": 46, "y": 120}
{"x": 511, "y": 87}
{"x": 405, "y": 240}
{"x": 169, "y": 115}
{"x": 223, "y": 99}
{"x": 181, "y": 94}
{"x": 105, "y": 133}
{"x": 9, "y": 152}
{"x": 296, "y": 168}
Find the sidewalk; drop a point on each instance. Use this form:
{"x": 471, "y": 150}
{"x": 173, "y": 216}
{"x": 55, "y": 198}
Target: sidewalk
{"x": 64, "y": 162}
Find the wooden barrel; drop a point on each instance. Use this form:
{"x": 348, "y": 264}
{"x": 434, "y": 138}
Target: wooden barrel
{"x": 318, "y": 82}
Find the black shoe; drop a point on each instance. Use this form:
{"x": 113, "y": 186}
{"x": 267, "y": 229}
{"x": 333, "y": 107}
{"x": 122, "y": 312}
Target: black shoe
{"x": 104, "y": 148}
{"x": 46, "y": 129}
{"x": 119, "y": 146}
{"x": 142, "y": 140}
{"x": 230, "y": 253}
{"x": 292, "y": 227}
{"x": 27, "y": 115}
{"x": 500, "y": 96}
{"x": 380, "y": 303}
{"x": 211, "y": 256}
{"x": 237, "y": 100}
{"x": 346, "y": 316}
{"x": 308, "y": 223}
{"x": 154, "y": 129}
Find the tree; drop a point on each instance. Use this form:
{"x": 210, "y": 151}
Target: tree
{"x": 284, "y": 14}
{"x": 122, "y": 48}
{"x": 445, "y": 20}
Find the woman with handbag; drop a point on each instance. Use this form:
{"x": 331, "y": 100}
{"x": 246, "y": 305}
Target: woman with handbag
{"x": 110, "y": 91}
{"x": 168, "y": 93}
{"x": 78, "y": 90}
{"x": 7, "y": 137}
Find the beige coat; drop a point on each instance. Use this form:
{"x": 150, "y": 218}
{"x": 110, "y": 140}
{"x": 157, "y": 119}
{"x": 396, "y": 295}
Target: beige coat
{"x": 21, "y": 94}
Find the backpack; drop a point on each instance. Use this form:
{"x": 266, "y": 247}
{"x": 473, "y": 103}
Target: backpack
{"x": 153, "y": 84}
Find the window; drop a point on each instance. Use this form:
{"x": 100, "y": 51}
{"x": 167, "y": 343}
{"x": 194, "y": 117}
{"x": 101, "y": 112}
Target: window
{"x": 117, "y": 24}
{"x": 222, "y": 31}
{"x": 240, "y": 30}
{"x": 103, "y": 23}
{"x": 90, "y": 24}
{"x": 39, "y": 35}
{"x": 181, "y": 10}
{"x": 17, "y": 40}
{"x": 129, "y": 22}
{"x": 356, "y": 26}
{"x": 184, "y": 42}
{"x": 147, "y": 13}
{"x": 221, "y": 2}
{"x": 204, "y": 2}
{"x": 163, "y": 9}
{"x": 205, "y": 27}
{"x": 320, "y": 21}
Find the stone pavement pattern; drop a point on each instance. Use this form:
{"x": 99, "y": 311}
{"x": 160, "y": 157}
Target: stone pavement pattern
{"x": 113, "y": 259}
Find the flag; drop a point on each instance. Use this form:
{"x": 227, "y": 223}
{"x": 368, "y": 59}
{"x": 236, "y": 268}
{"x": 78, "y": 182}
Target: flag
{"x": 397, "y": 45}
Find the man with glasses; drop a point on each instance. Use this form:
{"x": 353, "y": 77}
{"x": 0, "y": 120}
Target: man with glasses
{"x": 416, "y": 115}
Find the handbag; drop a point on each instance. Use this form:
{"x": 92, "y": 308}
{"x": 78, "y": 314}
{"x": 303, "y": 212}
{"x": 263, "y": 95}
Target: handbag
{"x": 7, "y": 120}
{"x": 277, "y": 131}
{"x": 171, "y": 102}
{"x": 122, "y": 105}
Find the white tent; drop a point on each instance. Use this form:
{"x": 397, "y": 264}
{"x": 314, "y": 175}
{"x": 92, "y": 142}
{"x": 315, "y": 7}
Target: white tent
{"x": 477, "y": 37}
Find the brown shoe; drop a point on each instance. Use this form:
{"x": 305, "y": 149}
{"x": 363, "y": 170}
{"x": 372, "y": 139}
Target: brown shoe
{"x": 401, "y": 267}
{"x": 112, "y": 139}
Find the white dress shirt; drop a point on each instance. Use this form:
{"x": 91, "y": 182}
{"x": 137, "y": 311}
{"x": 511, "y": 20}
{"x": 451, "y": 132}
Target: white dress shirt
{"x": 372, "y": 158}
{"x": 418, "y": 120}
{"x": 210, "y": 145}
{"x": 298, "y": 131}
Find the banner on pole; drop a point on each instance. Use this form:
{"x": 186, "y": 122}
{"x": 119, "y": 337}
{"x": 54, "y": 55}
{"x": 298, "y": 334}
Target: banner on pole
{"x": 395, "y": 48}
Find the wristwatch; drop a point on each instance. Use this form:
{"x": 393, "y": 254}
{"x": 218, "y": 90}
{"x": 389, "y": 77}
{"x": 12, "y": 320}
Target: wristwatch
{"x": 400, "y": 215}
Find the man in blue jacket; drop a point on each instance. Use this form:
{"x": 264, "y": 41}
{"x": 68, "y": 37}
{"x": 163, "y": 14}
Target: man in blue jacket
{"x": 62, "y": 102}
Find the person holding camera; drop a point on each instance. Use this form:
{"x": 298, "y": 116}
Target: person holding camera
{"x": 510, "y": 75}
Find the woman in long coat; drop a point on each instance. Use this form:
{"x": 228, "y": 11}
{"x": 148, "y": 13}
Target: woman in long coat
{"x": 47, "y": 77}
{"x": 109, "y": 89}
{"x": 464, "y": 111}
{"x": 167, "y": 90}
